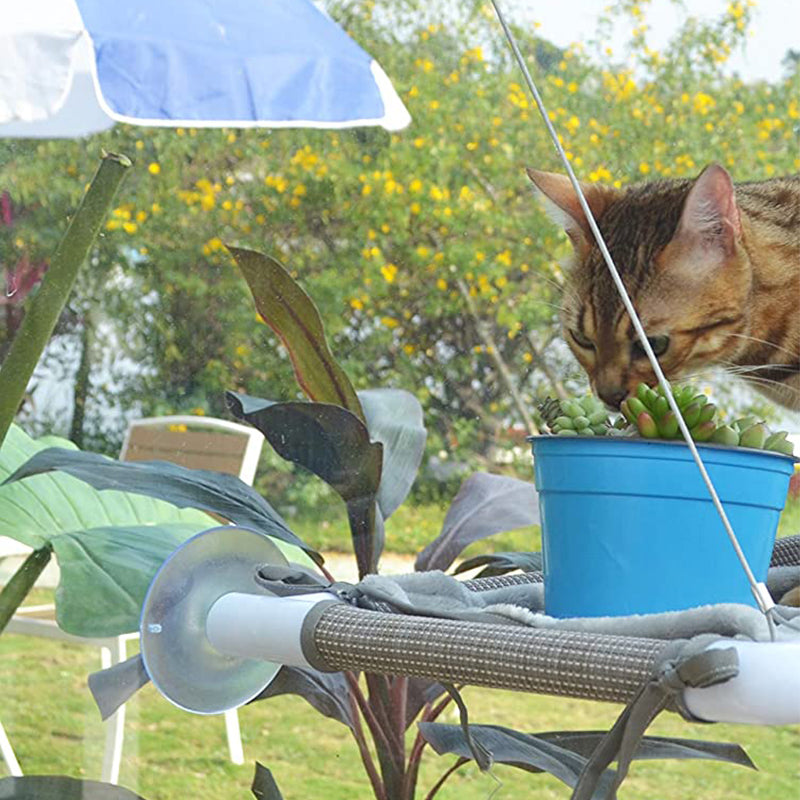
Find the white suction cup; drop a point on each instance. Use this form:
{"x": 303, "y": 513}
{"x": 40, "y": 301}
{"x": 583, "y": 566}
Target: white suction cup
{"x": 180, "y": 660}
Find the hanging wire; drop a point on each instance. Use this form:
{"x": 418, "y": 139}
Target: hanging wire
{"x": 759, "y": 590}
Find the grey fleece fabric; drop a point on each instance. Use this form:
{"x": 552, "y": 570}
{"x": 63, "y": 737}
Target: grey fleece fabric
{"x": 438, "y": 595}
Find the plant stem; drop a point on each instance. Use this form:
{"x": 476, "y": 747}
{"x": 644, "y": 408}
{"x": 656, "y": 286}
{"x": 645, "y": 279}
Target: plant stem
{"x": 47, "y": 304}
{"x": 429, "y": 714}
{"x": 438, "y": 785}
{"x": 374, "y": 726}
{"x": 82, "y": 379}
{"x": 378, "y": 788}
{"x": 16, "y": 590}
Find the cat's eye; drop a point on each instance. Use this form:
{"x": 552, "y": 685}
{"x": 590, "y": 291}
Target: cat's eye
{"x": 581, "y": 340}
{"x": 659, "y": 345}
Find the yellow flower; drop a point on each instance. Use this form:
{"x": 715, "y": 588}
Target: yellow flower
{"x": 504, "y": 258}
{"x": 408, "y": 349}
{"x": 703, "y": 102}
{"x": 389, "y": 272}
{"x": 366, "y": 189}
{"x": 527, "y": 358}
{"x": 441, "y": 284}
{"x": 415, "y": 208}
{"x": 154, "y": 168}
{"x": 129, "y": 227}
{"x": 356, "y": 304}
{"x": 644, "y": 168}
{"x": 389, "y": 322}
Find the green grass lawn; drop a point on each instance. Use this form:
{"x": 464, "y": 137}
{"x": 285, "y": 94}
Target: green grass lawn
{"x": 50, "y": 718}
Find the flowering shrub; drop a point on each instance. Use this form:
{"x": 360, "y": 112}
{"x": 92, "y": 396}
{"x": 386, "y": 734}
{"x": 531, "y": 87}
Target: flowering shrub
{"x": 425, "y": 247}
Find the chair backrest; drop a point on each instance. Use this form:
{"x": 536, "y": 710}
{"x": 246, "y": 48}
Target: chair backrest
{"x": 196, "y": 442}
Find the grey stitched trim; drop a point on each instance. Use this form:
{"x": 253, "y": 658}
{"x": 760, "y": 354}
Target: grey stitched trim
{"x": 501, "y": 581}
{"x": 307, "y": 641}
{"x": 786, "y": 552}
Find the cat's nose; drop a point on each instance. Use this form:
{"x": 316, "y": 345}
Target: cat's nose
{"x": 613, "y": 395}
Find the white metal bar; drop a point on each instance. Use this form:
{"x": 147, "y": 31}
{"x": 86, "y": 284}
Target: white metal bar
{"x": 8, "y": 754}
{"x": 766, "y": 690}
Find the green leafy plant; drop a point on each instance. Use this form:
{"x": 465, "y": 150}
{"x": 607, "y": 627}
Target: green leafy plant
{"x": 369, "y": 453}
{"x": 647, "y": 413}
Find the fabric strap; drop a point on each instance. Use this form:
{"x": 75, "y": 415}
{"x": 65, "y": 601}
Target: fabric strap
{"x": 699, "y": 670}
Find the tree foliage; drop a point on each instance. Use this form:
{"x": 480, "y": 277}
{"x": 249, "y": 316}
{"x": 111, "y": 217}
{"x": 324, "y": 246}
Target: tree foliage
{"x": 433, "y": 265}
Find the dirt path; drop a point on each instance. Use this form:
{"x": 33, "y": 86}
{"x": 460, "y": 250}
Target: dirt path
{"x": 343, "y": 565}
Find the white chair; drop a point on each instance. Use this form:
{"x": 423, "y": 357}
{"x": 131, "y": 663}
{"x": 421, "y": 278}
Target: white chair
{"x": 192, "y": 441}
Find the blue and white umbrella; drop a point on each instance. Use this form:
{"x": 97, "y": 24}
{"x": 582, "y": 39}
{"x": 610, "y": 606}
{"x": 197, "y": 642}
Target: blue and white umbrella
{"x": 73, "y": 67}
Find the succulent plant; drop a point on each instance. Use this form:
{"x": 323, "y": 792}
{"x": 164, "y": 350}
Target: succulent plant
{"x": 583, "y": 416}
{"x": 647, "y": 413}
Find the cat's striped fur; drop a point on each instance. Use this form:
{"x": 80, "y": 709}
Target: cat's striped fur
{"x": 713, "y": 271}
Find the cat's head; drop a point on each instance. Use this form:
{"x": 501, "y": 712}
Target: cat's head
{"x": 677, "y": 246}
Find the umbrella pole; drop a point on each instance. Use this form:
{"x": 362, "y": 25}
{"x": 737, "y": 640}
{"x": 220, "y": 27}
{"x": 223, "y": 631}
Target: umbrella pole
{"x": 46, "y": 305}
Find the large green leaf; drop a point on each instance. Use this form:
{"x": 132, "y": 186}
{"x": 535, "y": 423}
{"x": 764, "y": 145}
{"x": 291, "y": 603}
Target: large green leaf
{"x": 485, "y": 504}
{"x": 109, "y": 543}
{"x": 36, "y": 510}
{"x": 563, "y": 754}
{"x": 394, "y": 418}
{"x": 105, "y": 573}
{"x": 335, "y": 445}
{"x": 291, "y": 313}
{"x": 214, "y": 492}
{"x": 328, "y": 440}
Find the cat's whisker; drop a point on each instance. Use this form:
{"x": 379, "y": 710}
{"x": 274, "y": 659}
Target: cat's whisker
{"x": 556, "y": 306}
{"x": 736, "y": 369}
{"x": 765, "y": 341}
{"x": 785, "y": 387}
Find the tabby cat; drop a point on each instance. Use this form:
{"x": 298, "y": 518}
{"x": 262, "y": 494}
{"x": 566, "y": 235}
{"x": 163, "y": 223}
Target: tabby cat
{"x": 713, "y": 270}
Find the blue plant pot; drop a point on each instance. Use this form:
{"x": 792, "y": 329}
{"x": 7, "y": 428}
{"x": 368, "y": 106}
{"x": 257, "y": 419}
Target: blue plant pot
{"x": 628, "y": 525}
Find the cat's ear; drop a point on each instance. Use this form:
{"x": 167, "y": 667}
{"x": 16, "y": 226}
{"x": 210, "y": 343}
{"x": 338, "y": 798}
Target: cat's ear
{"x": 563, "y": 207}
{"x": 710, "y": 216}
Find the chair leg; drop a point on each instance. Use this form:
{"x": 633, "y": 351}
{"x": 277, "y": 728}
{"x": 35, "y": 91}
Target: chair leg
{"x": 115, "y": 724}
{"x": 8, "y": 754}
{"x": 234, "y": 736}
